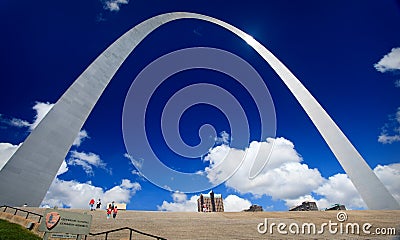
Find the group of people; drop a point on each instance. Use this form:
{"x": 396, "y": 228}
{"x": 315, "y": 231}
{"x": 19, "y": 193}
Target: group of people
{"x": 111, "y": 209}
{"x": 91, "y": 204}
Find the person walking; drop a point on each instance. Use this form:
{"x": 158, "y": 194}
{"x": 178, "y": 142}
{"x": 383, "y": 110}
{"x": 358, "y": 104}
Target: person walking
{"x": 109, "y": 211}
{"x": 98, "y": 205}
{"x": 91, "y": 204}
{"x": 115, "y": 211}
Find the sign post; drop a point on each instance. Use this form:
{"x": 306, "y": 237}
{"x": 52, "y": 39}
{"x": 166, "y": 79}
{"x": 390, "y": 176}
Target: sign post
{"x": 57, "y": 221}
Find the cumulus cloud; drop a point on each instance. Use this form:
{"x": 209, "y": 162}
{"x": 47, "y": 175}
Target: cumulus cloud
{"x": 41, "y": 110}
{"x": 279, "y": 178}
{"x": 123, "y": 192}
{"x": 391, "y": 131}
{"x": 6, "y": 151}
{"x": 86, "y": 160}
{"x": 181, "y": 203}
{"x": 114, "y": 5}
{"x": 390, "y": 177}
{"x": 339, "y": 189}
{"x": 390, "y": 62}
{"x": 70, "y": 194}
{"x": 287, "y": 178}
{"x": 233, "y": 203}
{"x": 73, "y": 194}
{"x": 179, "y": 197}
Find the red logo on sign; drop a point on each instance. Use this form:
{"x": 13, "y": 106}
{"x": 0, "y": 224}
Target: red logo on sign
{"x": 52, "y": 219}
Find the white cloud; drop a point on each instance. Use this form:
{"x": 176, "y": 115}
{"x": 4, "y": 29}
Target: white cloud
{"x": 233, "y": 203}
{"x": 286, "y": 178}
{"x": 388, "y": 139}
{"x": 6, "y": 151}
{"x": 71, "y": 194}
{"x": 137, "y": 163}
{"x": 223, "y": 139}
{"x": 280, "y": 177}
{"x": 114, "y": 5}
{"x": 127, "y": 184}
{"x": 123, "y": 192}
{"x": 41, "y": 110}
{"x": 74, "y": 194}
{"x": 390, "y": 177}
{"x": 63, "y": 168}
{"x": 391, "y": 131}
{"x": 181, "y": 203}
{"x": 339, "y": 189}
{"x": 82, "y": 135}
{"x": 179, "y": 197}
{"x": 15, "y": 122}
{"x": 137, "y": 173}
{"x": 296, "y": 201}
{"x": 19, "y": 123}
{"x": 390, "y": 62}
{"x": 86, "y": 161}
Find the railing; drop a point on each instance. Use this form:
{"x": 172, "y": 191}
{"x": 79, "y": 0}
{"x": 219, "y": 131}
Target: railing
{"x": 131, "y": 230}
{"x": 21, "y": 210}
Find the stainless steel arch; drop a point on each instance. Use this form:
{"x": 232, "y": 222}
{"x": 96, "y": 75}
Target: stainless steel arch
{"x": 28, "y": 174}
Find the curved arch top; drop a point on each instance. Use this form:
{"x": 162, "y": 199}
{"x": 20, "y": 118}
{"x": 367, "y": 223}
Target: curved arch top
{"x": 28, "y": 174}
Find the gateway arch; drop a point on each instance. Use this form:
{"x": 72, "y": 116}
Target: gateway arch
{"x": 28, "y": 174}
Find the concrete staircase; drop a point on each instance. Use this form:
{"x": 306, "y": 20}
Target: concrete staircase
{"x": 225, "y": 225}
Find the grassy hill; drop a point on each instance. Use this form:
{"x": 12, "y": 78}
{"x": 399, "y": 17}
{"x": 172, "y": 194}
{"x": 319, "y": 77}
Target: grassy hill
{"x": 12, "y": 231}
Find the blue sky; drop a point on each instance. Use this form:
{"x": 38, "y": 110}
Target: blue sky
{"x": 347, "y": 53}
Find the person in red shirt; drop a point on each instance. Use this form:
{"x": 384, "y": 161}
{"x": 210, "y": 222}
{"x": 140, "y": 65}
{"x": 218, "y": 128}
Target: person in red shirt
{"x": 115, "y": 211}
{"x": 109, "y": 211}
{"x": 91, "y": 204}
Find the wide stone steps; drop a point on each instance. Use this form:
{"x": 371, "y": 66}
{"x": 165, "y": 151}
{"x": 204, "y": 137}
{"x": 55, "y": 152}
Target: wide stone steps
{"x": 226, "y": 225}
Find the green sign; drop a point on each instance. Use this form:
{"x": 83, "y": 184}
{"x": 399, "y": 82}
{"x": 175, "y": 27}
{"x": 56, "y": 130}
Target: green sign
{"x": 57, "y": 221}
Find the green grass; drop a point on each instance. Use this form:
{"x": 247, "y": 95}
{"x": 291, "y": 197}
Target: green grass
{"x": 12, "y": 231}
